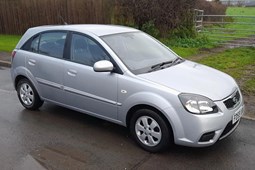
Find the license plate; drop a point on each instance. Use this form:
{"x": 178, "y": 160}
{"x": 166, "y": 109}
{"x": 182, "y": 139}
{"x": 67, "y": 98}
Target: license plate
{"x": 237, "y": 115}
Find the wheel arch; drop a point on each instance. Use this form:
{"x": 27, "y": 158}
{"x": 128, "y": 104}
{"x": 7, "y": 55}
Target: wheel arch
{"x": 17, "y": 79}
{"x": 133, "y": 109}
{"x": 22, "y": 76}
{"x": 22, "y": 72}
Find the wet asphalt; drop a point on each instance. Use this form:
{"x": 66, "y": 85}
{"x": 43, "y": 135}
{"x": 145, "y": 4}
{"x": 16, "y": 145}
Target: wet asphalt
{"x": 60, "y": 139}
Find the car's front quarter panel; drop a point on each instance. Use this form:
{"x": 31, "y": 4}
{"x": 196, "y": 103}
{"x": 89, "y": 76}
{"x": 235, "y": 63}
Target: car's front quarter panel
{"x": 133, "y": 91}
{"x": 140, "y": 91}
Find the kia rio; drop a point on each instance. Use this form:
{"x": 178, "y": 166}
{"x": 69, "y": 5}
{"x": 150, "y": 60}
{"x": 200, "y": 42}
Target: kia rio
{"x": 125, "y": 76}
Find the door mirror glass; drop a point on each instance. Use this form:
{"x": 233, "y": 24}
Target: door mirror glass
{"x": 103, "y": 66}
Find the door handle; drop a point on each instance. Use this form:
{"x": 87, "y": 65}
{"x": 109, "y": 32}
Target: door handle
{"x": 31, "y": 62}
{"x": 71, "y": 72}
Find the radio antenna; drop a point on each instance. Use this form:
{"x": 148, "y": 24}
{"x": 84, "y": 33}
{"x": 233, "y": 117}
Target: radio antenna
{"x": 62, "y": 19}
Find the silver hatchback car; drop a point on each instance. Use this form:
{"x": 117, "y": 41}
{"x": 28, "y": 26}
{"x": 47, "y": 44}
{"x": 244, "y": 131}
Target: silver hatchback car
{"x": 125, "y": 76}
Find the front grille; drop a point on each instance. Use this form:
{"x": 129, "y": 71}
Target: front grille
{"x": 233, "y": 100}
{"x": 228, "y": 128}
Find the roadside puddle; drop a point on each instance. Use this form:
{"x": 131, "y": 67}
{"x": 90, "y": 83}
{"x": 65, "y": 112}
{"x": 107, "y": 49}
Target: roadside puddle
{"x": 65, "y": 157}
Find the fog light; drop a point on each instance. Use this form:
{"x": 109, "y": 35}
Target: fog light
{"x": 207, "y": 137}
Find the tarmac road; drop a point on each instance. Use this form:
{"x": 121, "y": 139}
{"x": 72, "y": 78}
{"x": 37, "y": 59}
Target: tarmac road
{"x": 58, "y": 138}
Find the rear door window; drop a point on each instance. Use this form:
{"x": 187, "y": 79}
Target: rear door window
{"x": 52, "y": 44}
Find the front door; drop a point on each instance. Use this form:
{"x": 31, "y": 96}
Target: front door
{"x": 87, "y": 90}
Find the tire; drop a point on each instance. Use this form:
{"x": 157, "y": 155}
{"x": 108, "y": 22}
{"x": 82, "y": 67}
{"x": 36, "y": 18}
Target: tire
{"x": 153, "y": 137}
{"x": 28, "y": 95}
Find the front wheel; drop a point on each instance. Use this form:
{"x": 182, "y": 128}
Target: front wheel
{"x": 28, "y": 95}
{"x": 150, "y": 130}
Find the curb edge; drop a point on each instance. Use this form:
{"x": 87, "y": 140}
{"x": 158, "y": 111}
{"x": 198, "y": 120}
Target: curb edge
{"x": 248, "y": 118}
{"x": 5, "y": 63}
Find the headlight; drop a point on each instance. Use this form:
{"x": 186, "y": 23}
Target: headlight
{"x": 198, "y": 104}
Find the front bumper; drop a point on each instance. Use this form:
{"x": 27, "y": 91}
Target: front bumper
{"x": 204, "y": 130}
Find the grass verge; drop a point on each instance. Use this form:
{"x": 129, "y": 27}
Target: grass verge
{"x": 185, "y": 52}
{"x": 8, "y": 42}
{"x": 185, "y": 47}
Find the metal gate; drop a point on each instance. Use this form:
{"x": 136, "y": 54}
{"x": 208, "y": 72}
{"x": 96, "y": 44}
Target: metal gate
{"x": 229, "y": 30}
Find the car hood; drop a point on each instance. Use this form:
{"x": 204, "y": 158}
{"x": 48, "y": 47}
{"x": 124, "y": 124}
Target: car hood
{"x": 190, "y": 77}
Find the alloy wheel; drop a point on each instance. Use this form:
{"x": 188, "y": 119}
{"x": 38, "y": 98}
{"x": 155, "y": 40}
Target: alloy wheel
{"x": 26, "y": 94}
{"x": 148, "y": 131}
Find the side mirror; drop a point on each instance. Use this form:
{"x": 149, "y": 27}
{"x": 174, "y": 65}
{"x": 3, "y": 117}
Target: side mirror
{"x": 103, "y": 66}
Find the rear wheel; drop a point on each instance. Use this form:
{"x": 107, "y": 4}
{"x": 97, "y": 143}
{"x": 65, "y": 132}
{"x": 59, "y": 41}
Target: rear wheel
{"x": 150, "y": 130}
{"x": 28, "y": 95}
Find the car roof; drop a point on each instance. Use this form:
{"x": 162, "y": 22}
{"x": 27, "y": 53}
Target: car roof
{"x": 99, "y": 30}
{"x": 96, "y": 29}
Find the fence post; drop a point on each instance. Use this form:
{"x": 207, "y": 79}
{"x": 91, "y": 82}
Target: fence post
{"x": 198, "y": 20}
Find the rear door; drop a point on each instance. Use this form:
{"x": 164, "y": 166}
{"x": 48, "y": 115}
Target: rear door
{"x": 85, "y": 89}
{"x": 45, "y": 62}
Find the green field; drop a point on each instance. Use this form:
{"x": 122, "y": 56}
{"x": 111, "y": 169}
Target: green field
{"x": 237, "y": 27}
{"x": 244, "y": 11}
{"x": 241, "y": 11}
{"x": 8, "y": 42}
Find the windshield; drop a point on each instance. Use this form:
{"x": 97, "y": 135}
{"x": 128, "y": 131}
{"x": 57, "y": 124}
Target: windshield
{"x": 138, "y": 51}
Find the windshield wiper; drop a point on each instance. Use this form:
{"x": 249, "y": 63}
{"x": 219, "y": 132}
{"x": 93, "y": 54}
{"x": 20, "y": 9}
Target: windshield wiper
{"x": 159, "y": 65}
{"x": 177, "y": 61}
{"x": 166, "y": 64}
